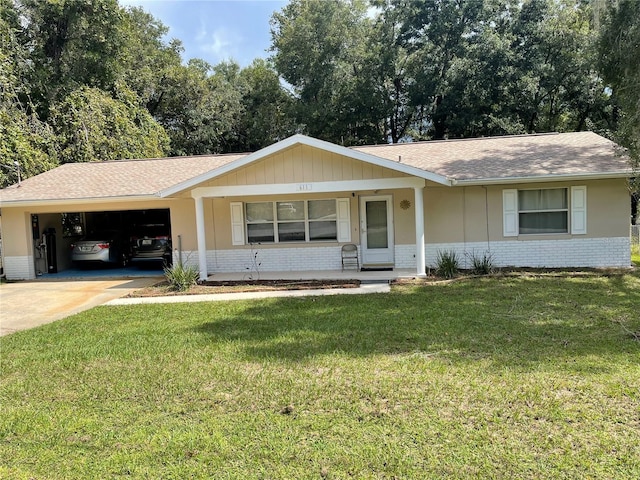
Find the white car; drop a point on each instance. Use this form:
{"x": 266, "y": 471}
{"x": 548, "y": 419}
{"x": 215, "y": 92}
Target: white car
{"x": 100, "y": 248}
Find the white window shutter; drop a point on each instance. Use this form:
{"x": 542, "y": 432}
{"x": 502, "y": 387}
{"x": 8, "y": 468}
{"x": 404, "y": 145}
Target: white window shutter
{"x": 510, "y": 212}
{"x": 237, "y": 223}
{"x": 579, "y": 210}
{"x": 344, "y": 220}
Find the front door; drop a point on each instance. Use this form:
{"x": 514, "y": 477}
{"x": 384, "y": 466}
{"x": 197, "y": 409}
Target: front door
{"x": 376, "y": 230}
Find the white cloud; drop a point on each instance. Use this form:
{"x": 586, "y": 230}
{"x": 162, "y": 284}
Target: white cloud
{"x": 221, "y": 43}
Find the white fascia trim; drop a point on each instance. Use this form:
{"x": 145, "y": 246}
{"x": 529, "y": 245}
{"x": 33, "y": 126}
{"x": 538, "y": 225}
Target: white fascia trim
{"x": 75, "y": 201}
{"x": 544, "y": 178}
{"x": 308, "y": 187}
{"x": 311, "y": 142}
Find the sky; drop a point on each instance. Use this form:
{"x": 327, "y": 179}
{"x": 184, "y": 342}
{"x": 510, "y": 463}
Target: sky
{"x": 216, "y": 30}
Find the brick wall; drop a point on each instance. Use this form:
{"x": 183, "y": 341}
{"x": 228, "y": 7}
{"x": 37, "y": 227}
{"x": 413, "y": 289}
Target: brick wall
{"x": 574, "y": 252}
{"x": 19, "y": 267}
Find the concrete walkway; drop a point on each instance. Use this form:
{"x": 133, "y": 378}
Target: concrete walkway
{"x": 25, "y": 305}
{"x": 218, "y": 297}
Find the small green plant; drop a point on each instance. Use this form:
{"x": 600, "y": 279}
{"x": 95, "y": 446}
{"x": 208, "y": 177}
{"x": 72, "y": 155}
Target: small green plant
{"x": 635, "y": 254}
{"x": 481, "y": 264}
{"x": 447, "y": 263}
{"x": 181, "y": 277}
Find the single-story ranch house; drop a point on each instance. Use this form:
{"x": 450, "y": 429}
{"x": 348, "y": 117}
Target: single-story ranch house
{"x": 549, "y": 200}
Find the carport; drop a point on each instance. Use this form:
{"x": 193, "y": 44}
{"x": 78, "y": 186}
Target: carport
{"x": 54, "y": 235}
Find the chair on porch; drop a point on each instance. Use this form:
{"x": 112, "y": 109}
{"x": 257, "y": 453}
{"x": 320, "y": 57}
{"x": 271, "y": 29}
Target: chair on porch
{"x": 350, "y": 256}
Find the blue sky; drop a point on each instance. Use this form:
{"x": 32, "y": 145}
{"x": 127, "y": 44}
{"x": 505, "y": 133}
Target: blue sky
{"x": 216, "y": 30}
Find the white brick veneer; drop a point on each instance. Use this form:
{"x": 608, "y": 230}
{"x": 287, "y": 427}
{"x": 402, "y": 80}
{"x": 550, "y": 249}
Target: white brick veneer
{"x": 19, "y": 267}
{"x": 573, "y": 252}
{"x": 269, "y": 259}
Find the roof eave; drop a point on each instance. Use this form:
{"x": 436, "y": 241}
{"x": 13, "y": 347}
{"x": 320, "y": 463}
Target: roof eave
{"x": 543, "y": 178}
{"x": 73, "y": 201}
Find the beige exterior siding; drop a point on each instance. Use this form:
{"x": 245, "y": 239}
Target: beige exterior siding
{"x": 300, "y": 164}
{"x": 460, "y": 214}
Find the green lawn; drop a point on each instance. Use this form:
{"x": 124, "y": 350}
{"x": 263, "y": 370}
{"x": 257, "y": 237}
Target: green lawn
{"x": 511, "y": 377}
{"x": 635, "y": 255}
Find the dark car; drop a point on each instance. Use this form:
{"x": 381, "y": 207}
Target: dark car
{"x": 152, "y": 246}
{"x": 106, "y": 247}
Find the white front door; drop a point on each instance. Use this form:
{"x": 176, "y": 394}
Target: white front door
{"x": 376, "y": 230}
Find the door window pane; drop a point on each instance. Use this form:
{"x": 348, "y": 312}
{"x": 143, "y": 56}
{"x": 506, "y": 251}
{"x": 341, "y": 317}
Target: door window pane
{"x": 377, "y": 224}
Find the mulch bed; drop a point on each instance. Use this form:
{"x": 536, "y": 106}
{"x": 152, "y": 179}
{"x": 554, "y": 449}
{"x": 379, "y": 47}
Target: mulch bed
{"x": 164, "y": 289}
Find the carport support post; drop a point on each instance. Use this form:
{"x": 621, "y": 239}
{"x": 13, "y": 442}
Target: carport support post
{"x": 421, "y": 268}
{"x": 202, "y": 240}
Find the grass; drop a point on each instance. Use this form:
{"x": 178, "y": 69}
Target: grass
{"x": 635, "y": 254}
{"x": 515, "y": 377}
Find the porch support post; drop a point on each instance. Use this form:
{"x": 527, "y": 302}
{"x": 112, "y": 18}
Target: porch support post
{"x": 202, "y": 240}
{"x": 421, "y": 268}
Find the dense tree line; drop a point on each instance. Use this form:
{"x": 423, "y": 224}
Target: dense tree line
{"x": 88, "y": 80}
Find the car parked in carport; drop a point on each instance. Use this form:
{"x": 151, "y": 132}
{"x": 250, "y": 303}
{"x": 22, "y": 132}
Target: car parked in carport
{"x": 105, "y": 247}
{"x": 154, "y": 247}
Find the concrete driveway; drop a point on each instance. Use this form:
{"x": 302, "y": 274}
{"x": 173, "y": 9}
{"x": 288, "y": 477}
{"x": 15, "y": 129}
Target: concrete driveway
{"x": 26, "y": 305}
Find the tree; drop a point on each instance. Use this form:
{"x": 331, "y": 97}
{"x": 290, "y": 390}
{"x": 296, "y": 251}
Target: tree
{"x": 267, "y": 108}
{"x": 27, "y": 145}
{"x": 319, "y": 50}
{"x": 145, "y": 57}
{"x": 93, "y": 126}
{"x": 72, "y": 43}
{"x": 619, "y": 54}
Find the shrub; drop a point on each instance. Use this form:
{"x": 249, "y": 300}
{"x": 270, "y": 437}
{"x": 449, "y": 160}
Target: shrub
{"x": 481, "y": 265}
{"x": 181, "y": 278}
{"x": 447, "y": 263}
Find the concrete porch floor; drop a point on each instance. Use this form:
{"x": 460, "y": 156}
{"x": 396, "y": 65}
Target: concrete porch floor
{"x": 366, "y": 276}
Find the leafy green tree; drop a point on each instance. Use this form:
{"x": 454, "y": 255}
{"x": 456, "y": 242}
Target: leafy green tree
{"x": 619, "y": 54}
{"x": 319, "y": 50}
{"x": 201, "y": 108}
{"x": 27, "y": 145}
{"x": 267, "y": 108}
{"x": 146, "y": 59}
{"x": 93, "y": 126}
{"x": 72, "y": 43}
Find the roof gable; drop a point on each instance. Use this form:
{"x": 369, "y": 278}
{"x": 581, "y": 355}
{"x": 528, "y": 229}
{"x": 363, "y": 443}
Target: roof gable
{"x": 308, "y": 141}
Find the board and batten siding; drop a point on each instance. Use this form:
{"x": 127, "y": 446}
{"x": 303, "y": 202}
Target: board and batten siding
{"x": 301, "y": 164}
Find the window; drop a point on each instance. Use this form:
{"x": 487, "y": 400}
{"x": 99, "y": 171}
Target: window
{"x": 543, "y": 211}
{"x": 294, "y": 221}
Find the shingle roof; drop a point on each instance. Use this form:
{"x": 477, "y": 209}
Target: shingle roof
{"x": 480, "y": 159}
{"x": 121, "y": 178}
{"x": 518, "y": 156}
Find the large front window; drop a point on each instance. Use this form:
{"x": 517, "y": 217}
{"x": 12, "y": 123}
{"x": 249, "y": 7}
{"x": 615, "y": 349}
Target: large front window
{"x": 293, "y": 221}
{"x": 543, "y": 211}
